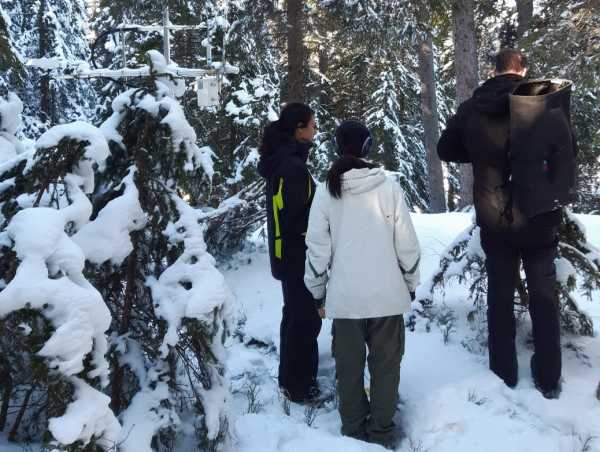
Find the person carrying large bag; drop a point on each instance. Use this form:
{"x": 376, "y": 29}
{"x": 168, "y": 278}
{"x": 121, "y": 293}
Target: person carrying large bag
{"x": 517, "y": 136}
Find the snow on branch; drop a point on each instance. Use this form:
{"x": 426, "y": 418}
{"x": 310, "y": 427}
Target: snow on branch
{"x": 50, "y": 279}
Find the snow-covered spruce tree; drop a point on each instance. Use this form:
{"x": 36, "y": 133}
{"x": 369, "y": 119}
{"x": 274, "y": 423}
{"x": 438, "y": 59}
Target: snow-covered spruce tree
{"x": 495, "y": 26}
{"x": 52, "y": 320}
{"x": 12, "y": 71}
{"x": 249, "y": 99}
{"x": 169, "y": 303}
{"x": 445, "y": 102}
{"x": 107, "y": 49}
{"x": 233, "y": 129}
{"x": 399, "y": 144}
{"x": 318, "y": 86}
{"x": 374, "y": 77}
{"x": 577, "y": 268}
{"x": 50, "y": 34}
{"x": 186, "y": 46}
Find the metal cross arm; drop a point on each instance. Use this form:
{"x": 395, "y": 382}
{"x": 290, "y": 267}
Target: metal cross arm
{"x": 146, "y": 72}
{"x": 158, "y": 28}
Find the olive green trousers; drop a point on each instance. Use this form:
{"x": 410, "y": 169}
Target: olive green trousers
{"x": 368, "y": 418}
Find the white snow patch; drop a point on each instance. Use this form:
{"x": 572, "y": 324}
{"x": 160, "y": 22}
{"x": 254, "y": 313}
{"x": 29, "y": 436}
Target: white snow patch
{"x": 25, "y": 329}
{"x": 96, "y": 151}
{"x": 88, "y": 416}
{"x": 10, "y": 114}
{"x": 108, "y": 236}
{"x": 145, "y": 417}
{"x": 10, "y": 147}
{"x": 183, "y": 135}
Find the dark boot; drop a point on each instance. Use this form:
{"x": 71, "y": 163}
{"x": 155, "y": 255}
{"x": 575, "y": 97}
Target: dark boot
{"x": 548, "y": 393}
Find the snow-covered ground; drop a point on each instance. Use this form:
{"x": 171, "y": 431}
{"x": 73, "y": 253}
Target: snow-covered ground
{"x": 450, "y": 401}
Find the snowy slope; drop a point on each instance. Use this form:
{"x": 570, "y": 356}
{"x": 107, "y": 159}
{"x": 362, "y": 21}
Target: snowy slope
{"x": 449, "y": 399}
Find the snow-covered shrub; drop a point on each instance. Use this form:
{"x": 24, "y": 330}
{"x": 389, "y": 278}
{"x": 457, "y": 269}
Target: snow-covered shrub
{"x": 169, "y": 303}
{"x": 577, "y": 265}
{"x": 52, "y": 320}
{"x": 228, "y": 226}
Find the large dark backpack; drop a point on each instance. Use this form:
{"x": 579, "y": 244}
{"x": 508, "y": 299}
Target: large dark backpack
{"x": 542, "y": 147}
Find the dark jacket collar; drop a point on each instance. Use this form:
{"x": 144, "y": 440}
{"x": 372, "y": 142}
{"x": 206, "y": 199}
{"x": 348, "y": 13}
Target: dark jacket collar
{"x": 492, "y": 97}
{"x": 269, "y": 163}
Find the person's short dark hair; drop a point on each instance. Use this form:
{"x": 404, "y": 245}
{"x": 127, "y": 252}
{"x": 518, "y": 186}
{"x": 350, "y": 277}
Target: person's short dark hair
{"x": 510, "y": 60}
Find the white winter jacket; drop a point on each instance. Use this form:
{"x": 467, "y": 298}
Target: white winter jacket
{"x": 363, "y": 252}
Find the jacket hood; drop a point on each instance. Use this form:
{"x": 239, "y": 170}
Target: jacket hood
{"x": 492, "y": 97}
{"x": 362, "y": 180}
{"x": 269, "y": 163}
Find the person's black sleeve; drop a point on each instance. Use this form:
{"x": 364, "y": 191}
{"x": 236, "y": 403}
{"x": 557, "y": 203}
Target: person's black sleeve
{"x": 450, "y": 147}
{"x": 296, "y": 186}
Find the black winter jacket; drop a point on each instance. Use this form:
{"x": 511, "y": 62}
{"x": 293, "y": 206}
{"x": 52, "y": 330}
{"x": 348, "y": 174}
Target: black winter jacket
{"x": 479, "y": 134}
{"x": 289, "y": 193}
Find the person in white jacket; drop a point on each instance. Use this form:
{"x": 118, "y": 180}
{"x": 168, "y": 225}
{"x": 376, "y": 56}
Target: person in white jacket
{"x": 363, "y": 261}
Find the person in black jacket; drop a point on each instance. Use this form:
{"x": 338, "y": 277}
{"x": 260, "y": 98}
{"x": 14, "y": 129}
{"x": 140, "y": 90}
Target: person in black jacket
{"x": 289, "y": 193}
{"x": 479, "y": 134}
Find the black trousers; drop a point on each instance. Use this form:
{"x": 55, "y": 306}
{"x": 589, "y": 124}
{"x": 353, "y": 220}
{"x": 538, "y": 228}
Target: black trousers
{"x": 536, "y": 247}
{"x": 298, "y": 351}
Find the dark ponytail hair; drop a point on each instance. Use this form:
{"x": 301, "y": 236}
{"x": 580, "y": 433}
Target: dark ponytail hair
{"x": 343, "y": 164}
{"x": 282, "y": 131}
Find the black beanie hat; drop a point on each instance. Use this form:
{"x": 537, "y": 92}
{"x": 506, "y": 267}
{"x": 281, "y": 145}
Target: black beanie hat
{"x": 355, "y": 136}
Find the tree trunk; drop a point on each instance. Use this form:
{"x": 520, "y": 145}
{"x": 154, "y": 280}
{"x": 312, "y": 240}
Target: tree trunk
{"x": 429, "y": 113}
{"x": 46, "y": 100}
{"x": 525, "y": 13}
{"x": 118, "y": 373}
{"x": 7, "y": 392}
{"x": 296, "y": 51}
{"x": 466, "y": 68}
